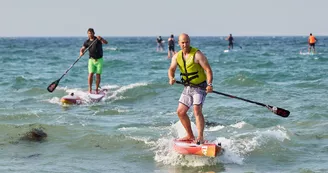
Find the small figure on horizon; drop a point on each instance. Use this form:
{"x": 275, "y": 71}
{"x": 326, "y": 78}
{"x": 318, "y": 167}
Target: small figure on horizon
{"x": 230, "y": 39}
{"x": 312, "y": 40}
{"x": 160, "y": 46}
{"x": 96, "y": 61}
{"x": 171, "y": 45}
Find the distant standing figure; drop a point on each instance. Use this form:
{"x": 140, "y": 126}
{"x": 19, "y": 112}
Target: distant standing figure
{"x": 312, "y": 40}
{"x": 230, "y": 39}
{"x": 159, "y": 41}
{"x": 171, "y": 45}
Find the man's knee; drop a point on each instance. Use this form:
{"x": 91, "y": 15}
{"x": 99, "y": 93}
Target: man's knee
{"x": 181, "y": 112}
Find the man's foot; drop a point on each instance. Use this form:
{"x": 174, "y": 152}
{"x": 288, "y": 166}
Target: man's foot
{"x": 199, "y": 141}
{"x": 90, "y": 91}
{"x": 97, "y": 91}
{"x": 187, "y": 138}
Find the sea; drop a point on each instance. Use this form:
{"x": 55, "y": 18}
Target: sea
{"x": 132, "y": 128}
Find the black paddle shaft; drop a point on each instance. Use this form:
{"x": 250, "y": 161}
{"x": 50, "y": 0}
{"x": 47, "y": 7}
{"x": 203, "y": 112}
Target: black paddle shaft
{"x": 54, "y": 84}
{"x": 278, "y": 111}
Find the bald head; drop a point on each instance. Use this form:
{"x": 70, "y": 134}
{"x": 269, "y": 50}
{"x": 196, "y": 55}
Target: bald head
{"x": 184, "y": 42}
{"x": 184, "y": 36}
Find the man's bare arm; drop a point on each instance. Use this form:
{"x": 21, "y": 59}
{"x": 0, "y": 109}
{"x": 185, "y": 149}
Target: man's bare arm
{"x": 172, "y": 69}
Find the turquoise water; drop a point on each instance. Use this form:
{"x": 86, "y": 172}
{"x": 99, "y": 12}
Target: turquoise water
{"x": 132, "y": 128}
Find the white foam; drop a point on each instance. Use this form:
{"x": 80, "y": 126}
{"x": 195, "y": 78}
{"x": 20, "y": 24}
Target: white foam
{"x": 213, "y": 129}
{"x": 146, "y": 140}
{"x": 239, "y": 125}
{"x": 278, "y": 132}
{"x": 54, "y": 100}
{"x": 128, "y": 129}
{"x": 236, "y": 147}
{"x": 123, "y": 89}
{"x": 231, "y": 152}
{"x": 111, "y": 48}
{"x": 306, "y": 53}
{"x": 180, "y": 132}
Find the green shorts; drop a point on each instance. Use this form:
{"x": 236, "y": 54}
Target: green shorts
{"x": 95, "y": 65}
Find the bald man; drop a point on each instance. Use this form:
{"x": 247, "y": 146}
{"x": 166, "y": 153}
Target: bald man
{"x": 197, "y": 75}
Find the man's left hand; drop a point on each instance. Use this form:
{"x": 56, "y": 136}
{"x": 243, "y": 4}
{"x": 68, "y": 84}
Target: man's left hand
{"x": 209, "y": 89}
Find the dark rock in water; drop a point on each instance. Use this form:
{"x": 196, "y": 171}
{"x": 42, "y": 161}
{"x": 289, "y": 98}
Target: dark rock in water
{"x": 35, "y": 135}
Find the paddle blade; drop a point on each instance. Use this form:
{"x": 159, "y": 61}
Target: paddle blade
{"x": 53, "y": 86}
{"x": 279, "y": 111}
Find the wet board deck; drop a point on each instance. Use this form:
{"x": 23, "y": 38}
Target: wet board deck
{"x": 207, "y": 149}
{"x": 72, "y": 98}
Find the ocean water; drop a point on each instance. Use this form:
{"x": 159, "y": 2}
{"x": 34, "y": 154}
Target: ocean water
{"x": 131, "y": 130}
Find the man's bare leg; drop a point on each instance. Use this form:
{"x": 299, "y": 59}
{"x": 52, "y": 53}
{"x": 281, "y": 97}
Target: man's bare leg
{"x": 98, "y": 79}
{"x": 200, "y": 122}
{"x": 182, "y": 113}
{"x": 90, "y": 80}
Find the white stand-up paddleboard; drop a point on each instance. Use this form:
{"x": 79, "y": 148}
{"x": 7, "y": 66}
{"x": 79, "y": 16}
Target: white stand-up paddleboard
{"x": 97, "y": 97}
{"x": 226, "y": 51}
{"x": 306, "y": 53}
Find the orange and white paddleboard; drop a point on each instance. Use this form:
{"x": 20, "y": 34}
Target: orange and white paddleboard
{"x": 188, "y": 147}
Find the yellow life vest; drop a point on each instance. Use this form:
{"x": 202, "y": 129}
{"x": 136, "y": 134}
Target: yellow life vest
{"x": 191, "y": 72}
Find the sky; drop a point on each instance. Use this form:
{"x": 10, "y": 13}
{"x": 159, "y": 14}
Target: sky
{"x": 163, "y": 17}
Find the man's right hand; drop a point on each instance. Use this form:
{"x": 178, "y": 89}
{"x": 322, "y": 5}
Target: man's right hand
{"x": 172, "y": 81}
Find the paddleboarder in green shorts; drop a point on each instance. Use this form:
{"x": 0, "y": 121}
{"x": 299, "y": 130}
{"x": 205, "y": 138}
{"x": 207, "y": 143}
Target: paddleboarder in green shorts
{"x": 95, "y": 63}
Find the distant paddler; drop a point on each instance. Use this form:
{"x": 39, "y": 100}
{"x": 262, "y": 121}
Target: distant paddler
{"x": 171, "y": 45}
{"x": 230, "y": 39}
{"x": 160, "y": 46}
{"x": 312, "y": 40}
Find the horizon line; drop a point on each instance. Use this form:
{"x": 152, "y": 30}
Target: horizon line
{"x": 63, "y": 36}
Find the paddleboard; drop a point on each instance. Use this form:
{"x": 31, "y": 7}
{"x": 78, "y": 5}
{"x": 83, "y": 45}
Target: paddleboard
{"x": 72, "y": 98}
{"x": 207, "y": 149}
{"x": 226, "y": 51}
{"x": 97, "y": 97}
{"x": 306, "y": 53}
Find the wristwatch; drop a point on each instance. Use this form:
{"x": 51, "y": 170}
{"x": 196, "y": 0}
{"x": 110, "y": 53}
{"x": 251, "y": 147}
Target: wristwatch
{"x": 210, "y": 84}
